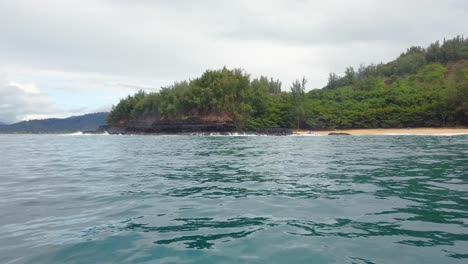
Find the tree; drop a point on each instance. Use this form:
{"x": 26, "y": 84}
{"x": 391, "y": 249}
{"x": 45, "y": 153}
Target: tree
{"x": 333, "y": 81}
{"x": 350, "y": 75}
{"x": 274, "y": 86}
{"x": 298, "y": 97}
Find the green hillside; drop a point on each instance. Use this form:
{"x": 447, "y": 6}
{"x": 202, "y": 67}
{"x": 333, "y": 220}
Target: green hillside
{"x": 423, "y": 87}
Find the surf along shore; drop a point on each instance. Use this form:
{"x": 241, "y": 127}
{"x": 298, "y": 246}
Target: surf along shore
{"x": 388, "y": 131}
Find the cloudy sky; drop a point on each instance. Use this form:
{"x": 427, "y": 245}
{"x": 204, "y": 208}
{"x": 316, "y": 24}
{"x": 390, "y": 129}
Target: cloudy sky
{"x": 65, "y": 57}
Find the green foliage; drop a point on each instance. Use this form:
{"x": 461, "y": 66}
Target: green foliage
{"x": 216, "y": 91}
{"x": 124, "y": 110}
{"x": 297, "y": 101}
{"x": 434, "y": 96}
{"x": 422, "y": 87}
{"x": 333, "y": 81}
{"x": 409, "y": 62}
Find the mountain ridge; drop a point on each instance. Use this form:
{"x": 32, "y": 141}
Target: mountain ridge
{"x": 57, "y": 125}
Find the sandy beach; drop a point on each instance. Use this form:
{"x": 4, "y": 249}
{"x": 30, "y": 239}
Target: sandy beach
{"x": 389, "y": 131}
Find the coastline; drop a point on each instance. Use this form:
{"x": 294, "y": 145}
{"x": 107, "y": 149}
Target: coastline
{"x": 388, "y": 131}
{"x": 276, "y": 132}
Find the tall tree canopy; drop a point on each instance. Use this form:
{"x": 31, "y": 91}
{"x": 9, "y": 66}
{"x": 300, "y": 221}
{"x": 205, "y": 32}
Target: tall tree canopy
{"x": 422, "y": 87}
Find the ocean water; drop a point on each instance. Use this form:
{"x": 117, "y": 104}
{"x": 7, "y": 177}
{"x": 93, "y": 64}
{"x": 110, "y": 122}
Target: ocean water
{"x": 233, "y": 199}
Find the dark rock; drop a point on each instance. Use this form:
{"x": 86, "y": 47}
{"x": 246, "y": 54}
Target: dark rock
{"x": 191, "y": 125}
{"x": 273, "y": 131}
{"x": 108, "y": 129}
{"x": 339, "y": 134}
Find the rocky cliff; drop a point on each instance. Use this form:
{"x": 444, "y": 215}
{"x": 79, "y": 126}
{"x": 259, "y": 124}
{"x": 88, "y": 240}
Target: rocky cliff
{"x": 187, "y": 126}
{"x": 213, "y": 123}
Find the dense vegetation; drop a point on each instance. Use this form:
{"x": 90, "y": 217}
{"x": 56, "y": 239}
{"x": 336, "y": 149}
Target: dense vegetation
{"x": 56, "y": 125}
{"x": 422, "y": 87}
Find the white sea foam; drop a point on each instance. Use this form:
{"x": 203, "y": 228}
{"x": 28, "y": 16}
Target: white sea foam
{"x": 237, "y": 134}
{"x": 79, "y": 133}
{"x": 234, "y": 134}
{"x": 307, "y": 135}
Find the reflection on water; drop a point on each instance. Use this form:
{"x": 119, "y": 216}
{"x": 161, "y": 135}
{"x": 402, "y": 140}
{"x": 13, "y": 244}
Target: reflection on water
{"x": 365, "y": 199}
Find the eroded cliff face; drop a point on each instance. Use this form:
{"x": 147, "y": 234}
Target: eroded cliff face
{"x": 152, "y": 124}
{"x": 222, "y": 123}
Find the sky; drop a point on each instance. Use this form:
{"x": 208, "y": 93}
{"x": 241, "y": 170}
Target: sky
{"x": 63, "y": 57}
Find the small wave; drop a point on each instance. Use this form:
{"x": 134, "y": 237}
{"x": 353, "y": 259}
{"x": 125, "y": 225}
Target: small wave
{"x": 307, "y": 135}
{"x": 234, "y": 134}
{"x": 80, "y": 133}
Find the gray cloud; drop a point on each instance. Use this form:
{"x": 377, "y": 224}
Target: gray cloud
{"x": 173, "y": 39}
{"x": 339, "y": 23}
{"x": 25, "y": 101}
{"x": 18, "y": 102}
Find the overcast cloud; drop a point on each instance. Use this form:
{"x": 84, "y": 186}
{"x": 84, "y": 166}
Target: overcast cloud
{"x": 88, "y": 54}
{"x": 19, "y": 101}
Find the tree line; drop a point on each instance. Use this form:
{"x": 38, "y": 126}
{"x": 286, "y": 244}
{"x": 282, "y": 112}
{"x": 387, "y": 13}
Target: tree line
{"x": 422, "y": 87}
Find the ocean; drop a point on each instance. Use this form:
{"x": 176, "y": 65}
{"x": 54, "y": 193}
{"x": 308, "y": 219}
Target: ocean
{"x": 233, "y": 199}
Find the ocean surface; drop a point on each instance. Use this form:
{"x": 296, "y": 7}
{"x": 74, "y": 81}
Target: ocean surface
{"x": 233, "y": 199}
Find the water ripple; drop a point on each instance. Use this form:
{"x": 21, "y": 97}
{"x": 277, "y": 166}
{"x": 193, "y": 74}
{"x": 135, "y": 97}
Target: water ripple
{"x": 367, "y": 199}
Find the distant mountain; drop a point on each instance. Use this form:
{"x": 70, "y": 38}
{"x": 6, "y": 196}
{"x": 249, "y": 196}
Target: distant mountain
{"x": 57, "y": 125}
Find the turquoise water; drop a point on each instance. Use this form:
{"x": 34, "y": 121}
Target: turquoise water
{"x": 182, "y": 199}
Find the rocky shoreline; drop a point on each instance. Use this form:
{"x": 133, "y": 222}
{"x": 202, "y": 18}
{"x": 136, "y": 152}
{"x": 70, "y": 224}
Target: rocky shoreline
{"x": 192, "y": 126}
